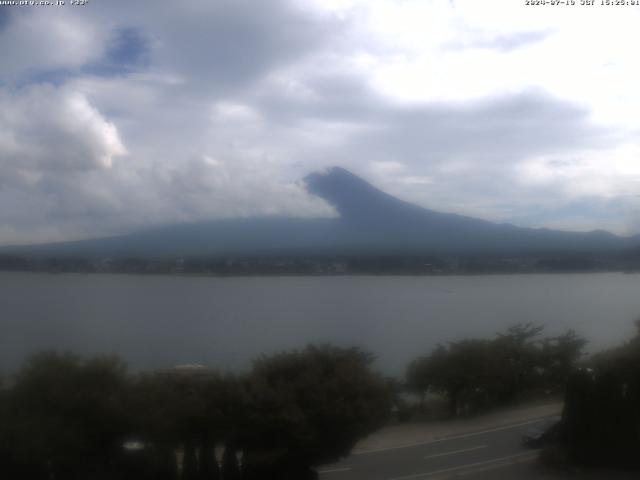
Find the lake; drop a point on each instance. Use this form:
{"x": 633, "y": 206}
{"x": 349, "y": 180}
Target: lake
{"x": 161, "y": 321}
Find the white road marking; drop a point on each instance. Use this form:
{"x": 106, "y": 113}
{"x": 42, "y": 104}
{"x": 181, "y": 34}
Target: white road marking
{"x": 493, "y": 466}
{"x": 446, "y": 439}
{"x": 464, "y": 467}
{"x": 335, "y": 470}
{"x": 455, "y": 451}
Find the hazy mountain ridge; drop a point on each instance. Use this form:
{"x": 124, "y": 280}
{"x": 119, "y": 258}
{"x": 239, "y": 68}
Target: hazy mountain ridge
{"x": 370, "y": 222}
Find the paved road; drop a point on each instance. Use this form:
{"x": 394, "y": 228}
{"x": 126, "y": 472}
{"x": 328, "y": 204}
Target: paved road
{"x": 495, "y": 453}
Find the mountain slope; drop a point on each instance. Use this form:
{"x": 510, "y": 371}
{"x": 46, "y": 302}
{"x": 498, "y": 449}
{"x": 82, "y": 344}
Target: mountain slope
{"x": 404, "y": 225}
{"x": 370, "y": 222}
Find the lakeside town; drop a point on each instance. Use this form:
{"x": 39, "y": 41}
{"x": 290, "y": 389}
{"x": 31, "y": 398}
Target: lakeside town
{"x": 326, "y": 265}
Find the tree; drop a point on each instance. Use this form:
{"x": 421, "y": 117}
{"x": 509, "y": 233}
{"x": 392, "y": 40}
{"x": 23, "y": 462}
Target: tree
{"x": 189, "y": 410}
{"x": 208, "y": 466}
{"x": 558, "y": 357}
{"x": 473, "y": 373}
{"x": 418, "y": 378}
{"x": 468, "y": 372}
{"x": 189, "y": 462}
{"x": 66, "y": 416}
{"x": 310, "y": 407}
{"x": 601, "y": 418}
{"x": 230, "y": 467}
{"x": 518, "y": 350}
{"x": 6, "y": 455}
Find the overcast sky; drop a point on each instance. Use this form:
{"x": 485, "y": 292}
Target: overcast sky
{"x": 121, "y": 114}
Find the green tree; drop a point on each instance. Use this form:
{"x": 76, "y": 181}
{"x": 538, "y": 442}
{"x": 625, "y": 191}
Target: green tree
{"x": 188, "y": 410}
{"x": 310, "y": 407}
{"x": 189, "y": 462}
{"x": 601, "y": 418}
{"x": 465, "y": 371}
{"x": 230, "y": 467}
{"x": 66, "y": 416}
{"x": 6, "y": 454}
{"x": 418, "y": 378}
{"x": 208, "y": 466}
{"x": 558, "y": 357}
{"x": 473, "y": 373}
{"x": 518, "y": 351}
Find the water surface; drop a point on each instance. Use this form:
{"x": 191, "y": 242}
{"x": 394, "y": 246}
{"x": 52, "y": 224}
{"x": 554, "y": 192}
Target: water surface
{"x": 160, "y": 321}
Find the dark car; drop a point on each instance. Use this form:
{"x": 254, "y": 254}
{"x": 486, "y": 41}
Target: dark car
{"x": 538, "y": 435}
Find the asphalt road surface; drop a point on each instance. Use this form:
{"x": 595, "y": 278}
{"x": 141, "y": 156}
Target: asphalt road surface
{"x": 496, "y": 453}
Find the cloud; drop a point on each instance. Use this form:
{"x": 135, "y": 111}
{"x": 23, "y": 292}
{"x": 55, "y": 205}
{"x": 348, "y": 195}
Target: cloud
{"x": 232, "y": 187}
{"x": 476, "y": 158}
{"x": 495, "y": 131}
{"x": 156, "y": 112}
{"x": 387, "y": 167}
{"x": 50, "y": 130}
{"x": 66, "y": 172}
{"x": 218, "y": 47}
{"x": 503, "y": 43}
{"x": 37, "y": 39}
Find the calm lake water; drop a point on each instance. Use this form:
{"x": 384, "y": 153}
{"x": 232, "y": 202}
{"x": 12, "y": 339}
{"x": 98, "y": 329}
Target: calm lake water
{"x": 160, "y": 321}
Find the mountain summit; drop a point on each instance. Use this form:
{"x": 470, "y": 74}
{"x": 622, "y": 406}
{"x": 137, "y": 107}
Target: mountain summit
{"x": 370, "y": 222}
{"x": 358, "y": 201}
{"x": 352, "y": 197}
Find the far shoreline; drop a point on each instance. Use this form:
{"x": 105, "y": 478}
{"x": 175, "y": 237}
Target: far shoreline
{"x": 314, "y": 275}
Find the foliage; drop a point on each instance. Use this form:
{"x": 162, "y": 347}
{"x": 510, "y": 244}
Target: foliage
{"x": 559, "y": 356}
{"x": 69, "y": 418}
{"x": 189, "y": 410}
{"x": 476, "y": 373}
{"x": 601, "y": 420}
{"x": 310, "y": 407}
{"x": 66, "y": 417}
{"x": 625, "y": 358}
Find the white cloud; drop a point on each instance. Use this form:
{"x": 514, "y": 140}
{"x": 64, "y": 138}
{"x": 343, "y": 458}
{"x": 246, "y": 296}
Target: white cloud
{"x": 50, "y": 130}
{"x": 389, "y": 167}
{"x": 65, "y": 171}
{"x": 47, "y": 39}
{"x": 491, "y": 108}
{"x": 610, "y": 174}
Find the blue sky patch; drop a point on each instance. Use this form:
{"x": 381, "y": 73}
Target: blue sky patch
{"x": 127, "y": 51}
